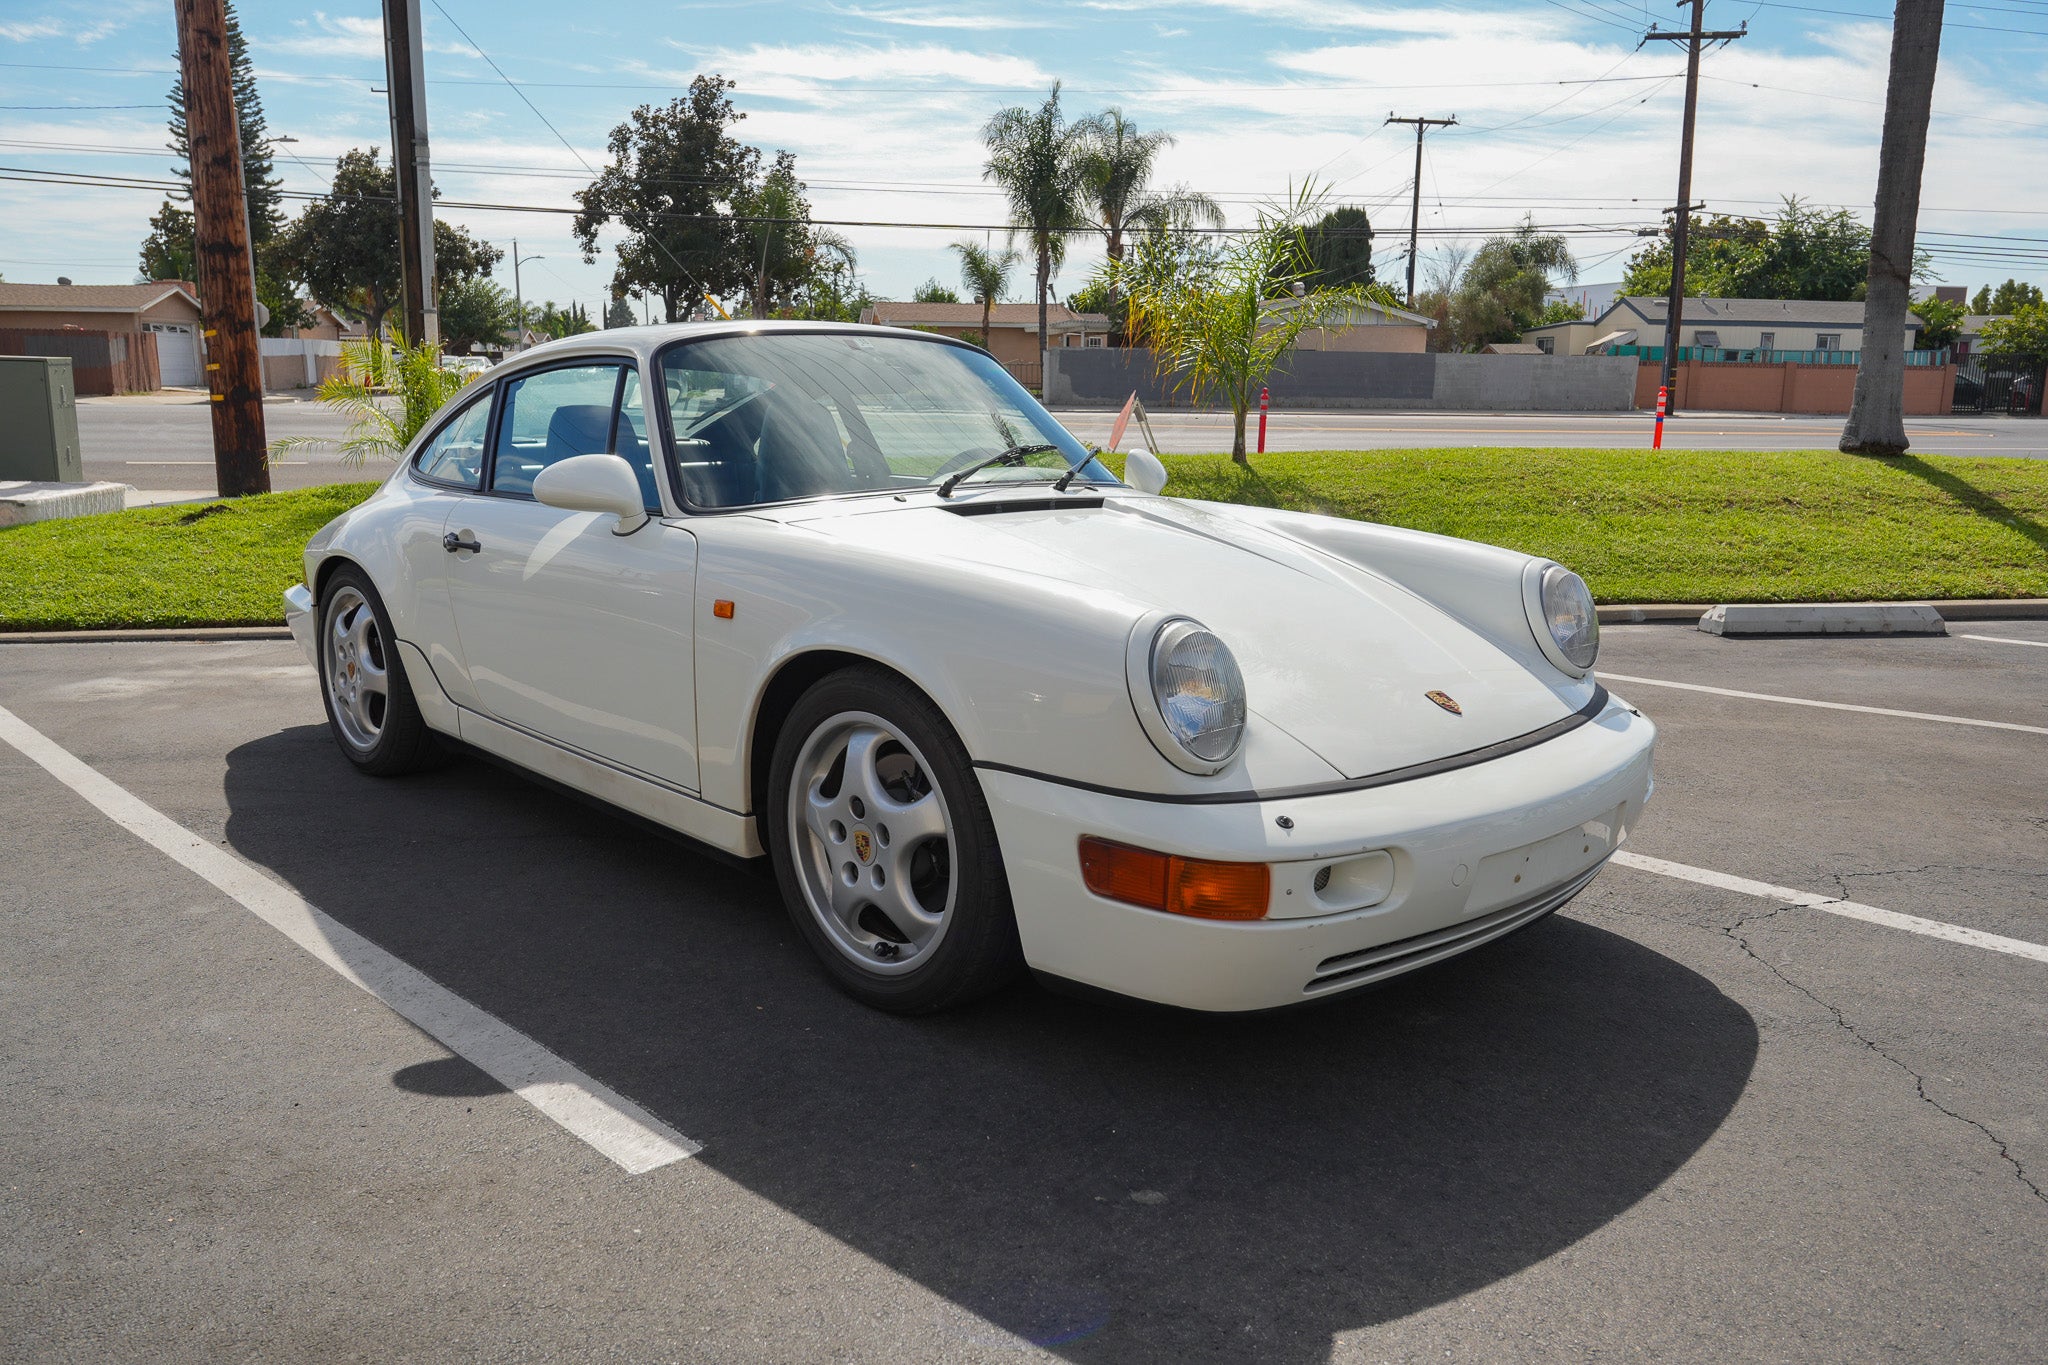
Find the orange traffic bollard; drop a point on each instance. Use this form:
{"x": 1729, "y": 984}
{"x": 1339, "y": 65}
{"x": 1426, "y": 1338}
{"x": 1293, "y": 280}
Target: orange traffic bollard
{"x": 1262, "y": 420}
{"x": 1657, "y": 441}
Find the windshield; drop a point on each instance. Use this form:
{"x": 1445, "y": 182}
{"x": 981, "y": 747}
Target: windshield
{"x": 773, "y": 416}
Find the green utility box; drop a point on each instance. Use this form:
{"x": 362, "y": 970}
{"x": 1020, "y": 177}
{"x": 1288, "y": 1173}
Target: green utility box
{"x": 39, "y": 419}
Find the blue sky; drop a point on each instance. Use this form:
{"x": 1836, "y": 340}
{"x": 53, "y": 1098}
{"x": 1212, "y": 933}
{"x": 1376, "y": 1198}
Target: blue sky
{"x": 1560, "y": 115}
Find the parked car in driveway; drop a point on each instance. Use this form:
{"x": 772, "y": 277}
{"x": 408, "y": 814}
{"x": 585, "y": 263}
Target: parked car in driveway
{"x": 849, "y": 599}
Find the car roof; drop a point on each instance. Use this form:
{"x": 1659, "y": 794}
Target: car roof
{"x": 643, "y": 342}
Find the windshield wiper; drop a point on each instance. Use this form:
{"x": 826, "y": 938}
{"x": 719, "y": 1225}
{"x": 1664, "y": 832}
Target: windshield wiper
{"x": 1059, "y": 485}
{"x": 1013, "y": 455}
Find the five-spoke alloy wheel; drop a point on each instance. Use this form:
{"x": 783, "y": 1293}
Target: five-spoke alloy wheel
{"x": 884, "y": 847}
{"x": 370, "y": 705}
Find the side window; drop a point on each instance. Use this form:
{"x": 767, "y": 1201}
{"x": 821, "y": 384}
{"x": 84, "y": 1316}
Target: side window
{"x": 549, "y": 417}
{"x": 456, "y": 454}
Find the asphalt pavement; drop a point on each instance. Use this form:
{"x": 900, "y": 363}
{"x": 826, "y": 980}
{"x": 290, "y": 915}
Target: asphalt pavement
{"x": 1674, "y": 1122}
{"x": 163, "y": 443}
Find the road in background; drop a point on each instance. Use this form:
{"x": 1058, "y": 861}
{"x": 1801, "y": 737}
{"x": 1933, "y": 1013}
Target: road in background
{"x": 166, "y": 443}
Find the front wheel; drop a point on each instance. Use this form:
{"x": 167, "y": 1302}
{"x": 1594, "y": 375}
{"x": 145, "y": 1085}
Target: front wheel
{"x": 884, "y": 847}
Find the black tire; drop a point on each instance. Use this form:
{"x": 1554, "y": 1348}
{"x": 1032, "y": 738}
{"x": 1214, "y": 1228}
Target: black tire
{"x": 392, "y": 738}
{"x": 977, "y": 952}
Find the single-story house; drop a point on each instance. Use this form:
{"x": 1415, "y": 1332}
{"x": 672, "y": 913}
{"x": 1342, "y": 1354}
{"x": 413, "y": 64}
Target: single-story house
{"x": 1012, "y": 327}
{"x": 1363, "y": 327}
{"x": 1512, "y": 348}
{"x": 167, "y": 308}
{"x": 1733, "y": 327}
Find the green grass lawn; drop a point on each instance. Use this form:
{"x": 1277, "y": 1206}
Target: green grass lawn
{"x": 1642, "y": 526}
{"x": 217, "y": 564}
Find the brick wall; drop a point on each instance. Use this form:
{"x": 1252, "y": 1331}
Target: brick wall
{"x": 1730, "y": 386}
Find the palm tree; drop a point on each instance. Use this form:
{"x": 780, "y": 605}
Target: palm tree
{"x": 1034, "y": 156}
{"x": 985, "y": 274}
{"x": 1116, "y": 169}
{"x": 1225, "y": 321}
{"x": 1877, "y": 424}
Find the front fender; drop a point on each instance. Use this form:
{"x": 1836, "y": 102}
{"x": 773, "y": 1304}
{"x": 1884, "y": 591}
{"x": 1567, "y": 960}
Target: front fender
{"x": 1030, "y": 672}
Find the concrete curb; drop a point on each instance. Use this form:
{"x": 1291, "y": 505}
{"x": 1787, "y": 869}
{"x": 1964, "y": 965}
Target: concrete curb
{"x": 1825, "y": 618}
{"x": 1961, "y": 609}
{"x": 161, "y": 635}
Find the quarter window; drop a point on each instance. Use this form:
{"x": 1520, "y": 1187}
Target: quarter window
{"x": 456, "y": 454}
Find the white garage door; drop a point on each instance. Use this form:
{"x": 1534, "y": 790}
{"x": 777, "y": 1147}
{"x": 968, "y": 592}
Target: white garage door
{"x": 177, "y": 354}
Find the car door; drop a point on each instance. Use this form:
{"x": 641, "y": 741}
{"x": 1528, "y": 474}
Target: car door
{"x": 568, "y": 630}
{"x": 447, "y": 472}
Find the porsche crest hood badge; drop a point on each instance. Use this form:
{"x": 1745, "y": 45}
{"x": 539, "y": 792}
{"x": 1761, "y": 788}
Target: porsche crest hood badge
{"x": 1447, "y": 701}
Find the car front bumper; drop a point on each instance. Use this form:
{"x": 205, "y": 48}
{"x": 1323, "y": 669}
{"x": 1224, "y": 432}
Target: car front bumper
{"x": 299, "y": 615}
{"x": 1475, "y": 853}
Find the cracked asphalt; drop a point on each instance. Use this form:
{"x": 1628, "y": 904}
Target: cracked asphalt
{"x": 1672, "y": 1123}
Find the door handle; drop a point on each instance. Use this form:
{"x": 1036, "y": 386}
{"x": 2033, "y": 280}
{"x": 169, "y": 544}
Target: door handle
{"x": 452, "y": 542}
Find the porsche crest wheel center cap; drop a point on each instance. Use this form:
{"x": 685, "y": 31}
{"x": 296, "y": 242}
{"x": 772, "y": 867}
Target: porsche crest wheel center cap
{"x": 863, "y": 845}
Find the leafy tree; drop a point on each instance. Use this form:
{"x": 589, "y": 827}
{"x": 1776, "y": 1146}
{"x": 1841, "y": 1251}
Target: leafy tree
{"x": 1036, "y": 157}
{"x": 784, "y": 247}
{"x": 1501, "y": 295}
{"x": 344, "y": 248}
{"x": 2018, "y": 337}
{"x": 985, "y": 273}
{"x": 1561, "y": 310}
{"x": 1224, "y": 320}
{"x": 1340, "y": 245}
{"x": 170, "y": 251}
{"x": 675, "y": 173}
{"x": 1941, "y": 322}
{"x": 1803, "y": 253}
{"x": 476, "y": 312}
{"x": 931, "y": 291}
{"x": 2009, "y": 298}
{"x": 619, "y": 313}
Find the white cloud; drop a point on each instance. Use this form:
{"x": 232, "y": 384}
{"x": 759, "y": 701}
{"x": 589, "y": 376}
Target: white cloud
{"x": 346, "y": 35}
{"x": 920, "y": 16}
{"x": 27, "y": 31}
{"x": 1338, "y": 15}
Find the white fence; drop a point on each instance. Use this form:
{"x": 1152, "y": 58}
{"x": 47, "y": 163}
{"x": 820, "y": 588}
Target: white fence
{"x": 292, "y": 363}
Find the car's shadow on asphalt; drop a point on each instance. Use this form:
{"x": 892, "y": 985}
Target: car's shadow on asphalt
{"x": 1116, "y": 1184}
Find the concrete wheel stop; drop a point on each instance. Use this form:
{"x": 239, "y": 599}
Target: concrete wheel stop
{"x": 1824, "y": 618}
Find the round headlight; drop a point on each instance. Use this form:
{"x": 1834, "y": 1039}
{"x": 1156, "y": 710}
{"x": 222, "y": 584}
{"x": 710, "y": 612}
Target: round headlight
{"x": 1568, "y": 615}
{"x": 1199, "y": 693}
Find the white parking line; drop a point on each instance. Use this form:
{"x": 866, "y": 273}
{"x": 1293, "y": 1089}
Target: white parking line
{"x": 2003, "y": 640}
{"x": 613, "y": 1124}
{"x": 1836, "y": 905}
{"x": 1828, "y": 705}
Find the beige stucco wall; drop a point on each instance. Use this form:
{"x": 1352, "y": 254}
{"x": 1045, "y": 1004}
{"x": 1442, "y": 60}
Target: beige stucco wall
{"x": 1409, "y": 338}
{"x": 177, "y": 308}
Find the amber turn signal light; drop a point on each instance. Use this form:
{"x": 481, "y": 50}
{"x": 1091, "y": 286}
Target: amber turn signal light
{"x": 1179, "y": 886}
{"x": 722, "y": 609}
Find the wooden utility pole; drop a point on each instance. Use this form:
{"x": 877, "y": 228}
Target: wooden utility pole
{"x": 1877, "y": 413}
{"x": 227, "y": 293}
{"x": 407, "y": 81}
{"x": 1681, "y": 222}
{"x": 1415, "y": 207}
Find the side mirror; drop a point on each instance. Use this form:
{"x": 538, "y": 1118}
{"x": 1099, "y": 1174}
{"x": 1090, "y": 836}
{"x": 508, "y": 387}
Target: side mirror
{"x": 594, "y": 483}
{"x": 1143, "y": 471}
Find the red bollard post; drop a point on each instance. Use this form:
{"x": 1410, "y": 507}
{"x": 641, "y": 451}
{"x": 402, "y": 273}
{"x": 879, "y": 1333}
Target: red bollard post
{"x": 1262, "y": 420}
{"x": 1657, "y": 442}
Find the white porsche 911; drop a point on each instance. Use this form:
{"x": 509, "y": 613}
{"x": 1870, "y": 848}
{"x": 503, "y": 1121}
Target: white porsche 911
{"x": 849, "y": 598}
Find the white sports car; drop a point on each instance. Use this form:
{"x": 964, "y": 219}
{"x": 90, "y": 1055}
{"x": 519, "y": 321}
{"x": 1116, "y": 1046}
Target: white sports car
{"x": 850, "y": 599}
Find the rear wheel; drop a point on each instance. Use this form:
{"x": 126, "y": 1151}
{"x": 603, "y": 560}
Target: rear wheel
{"x": 884, "y": 848}
{"x": 370, "y": 706}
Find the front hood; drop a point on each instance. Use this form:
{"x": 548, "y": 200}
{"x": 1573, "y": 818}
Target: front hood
{"x": 1336, "y": 657}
